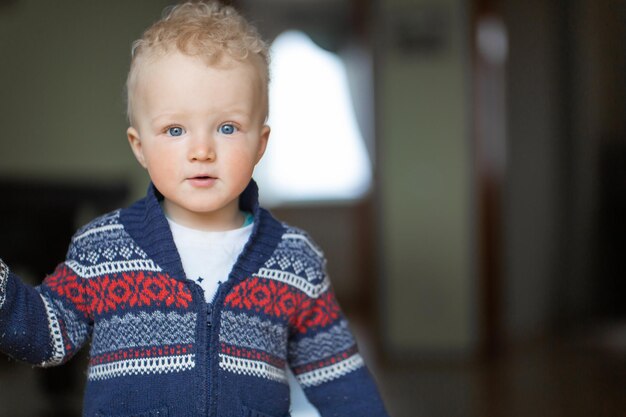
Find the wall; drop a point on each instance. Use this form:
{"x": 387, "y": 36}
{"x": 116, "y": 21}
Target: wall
{"x": 533, "y": 209}
{"x": 425, "y": 176}
{"x": 597, "y": 106}
{"x": 565, "y": 89}
{"x": 61, "y": 81}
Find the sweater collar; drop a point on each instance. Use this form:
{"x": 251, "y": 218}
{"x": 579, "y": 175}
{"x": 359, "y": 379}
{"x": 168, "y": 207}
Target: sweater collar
{"x": 147, "y": 225}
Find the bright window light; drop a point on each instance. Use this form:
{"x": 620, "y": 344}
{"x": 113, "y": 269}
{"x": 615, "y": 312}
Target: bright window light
{"x": 316, "y": 151}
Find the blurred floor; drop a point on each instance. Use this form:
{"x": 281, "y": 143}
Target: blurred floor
{"x": 553, "y": 377}
{"x": 581, "y": 376}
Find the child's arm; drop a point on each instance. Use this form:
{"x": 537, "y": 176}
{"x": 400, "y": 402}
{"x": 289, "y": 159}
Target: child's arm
{"x": 40, "y": 325}
{"x": 325, "y": 360}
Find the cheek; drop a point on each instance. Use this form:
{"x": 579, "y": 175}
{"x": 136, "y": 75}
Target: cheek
{"x": 242, "y": 163}
{"x": 160, "y": 164}
{"x": 160, "y": 172}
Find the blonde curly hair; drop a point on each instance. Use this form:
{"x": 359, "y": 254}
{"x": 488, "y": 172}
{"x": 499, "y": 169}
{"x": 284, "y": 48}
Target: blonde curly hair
{"x": 207, "y": 29}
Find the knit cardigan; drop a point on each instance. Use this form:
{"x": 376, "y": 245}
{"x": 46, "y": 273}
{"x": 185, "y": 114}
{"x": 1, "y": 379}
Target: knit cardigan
{"x": 158, "y": 349}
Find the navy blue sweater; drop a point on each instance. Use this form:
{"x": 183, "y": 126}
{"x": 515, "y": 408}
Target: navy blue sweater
{"x": 158, "y": 349}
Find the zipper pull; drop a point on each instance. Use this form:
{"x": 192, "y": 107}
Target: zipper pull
{"x": 209, "y": 315}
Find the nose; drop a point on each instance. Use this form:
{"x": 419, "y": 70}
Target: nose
{"x": 202, "y": 148}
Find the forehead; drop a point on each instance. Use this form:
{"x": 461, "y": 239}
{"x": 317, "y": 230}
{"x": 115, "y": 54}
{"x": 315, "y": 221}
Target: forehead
{"x": 170, "y": 68}
{"x": 176, "y": 75}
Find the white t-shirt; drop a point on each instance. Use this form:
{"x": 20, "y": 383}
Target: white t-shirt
{"x": 208, "y": 257}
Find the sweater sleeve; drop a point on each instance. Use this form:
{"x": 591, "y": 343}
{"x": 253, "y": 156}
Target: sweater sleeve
{"x": 324, "y": 357}
{"x": 41, "y": 325}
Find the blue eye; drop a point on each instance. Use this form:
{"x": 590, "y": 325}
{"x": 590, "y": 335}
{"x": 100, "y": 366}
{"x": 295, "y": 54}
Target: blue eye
{"x": 227, "y": 129}
{"x": 175, "y": 131}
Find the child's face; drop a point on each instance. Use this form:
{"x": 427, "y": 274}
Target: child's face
{"x": 199, "y": 131}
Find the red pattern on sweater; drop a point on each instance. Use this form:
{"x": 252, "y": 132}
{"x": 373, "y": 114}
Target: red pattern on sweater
{"x": 283, "y": 301}
{"x": 252, "y": 354}
{"x": 118, "y": 291}
{"x": 339, "y": 357}
{"x": 140, "y": 353}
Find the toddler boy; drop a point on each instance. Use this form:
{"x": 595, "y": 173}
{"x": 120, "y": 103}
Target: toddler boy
{"x": 195, "y": 298}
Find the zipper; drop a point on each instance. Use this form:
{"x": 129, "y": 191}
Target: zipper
{"x": 203, "y": 344}
{"x": 211, "y": 358}
{"x": 209, "y": 324}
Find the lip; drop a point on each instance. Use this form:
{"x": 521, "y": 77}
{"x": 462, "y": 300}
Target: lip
{"x": 202, "y": 181}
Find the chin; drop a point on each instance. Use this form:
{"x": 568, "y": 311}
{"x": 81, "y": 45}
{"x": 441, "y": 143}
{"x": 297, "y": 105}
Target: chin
{"x": 202, "y": 209}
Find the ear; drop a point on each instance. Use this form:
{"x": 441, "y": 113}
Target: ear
{"x": 135, "y": 144}
{"x": 264, "y": 138}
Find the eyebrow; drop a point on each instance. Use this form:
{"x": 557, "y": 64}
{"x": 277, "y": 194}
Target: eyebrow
{"x": 234, "y": 112}
{"x": 237, "y": 111}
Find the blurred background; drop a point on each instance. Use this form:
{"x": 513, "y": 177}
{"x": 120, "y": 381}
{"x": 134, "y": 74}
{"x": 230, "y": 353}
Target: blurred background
{"x": 462, "y": 163}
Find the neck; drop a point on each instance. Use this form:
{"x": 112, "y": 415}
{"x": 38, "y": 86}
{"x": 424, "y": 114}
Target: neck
{"x": 215, "y": 221}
